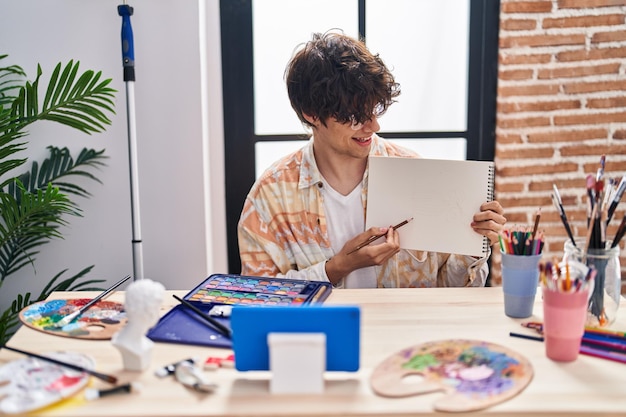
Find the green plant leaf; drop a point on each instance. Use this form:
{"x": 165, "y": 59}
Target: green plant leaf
{"x": 59, "y": 167}
{"x": 29, "y": 221}
{"x": 79, "y": 103}
{"x": 9, "y": 320}
{"x": 10, "y": 82}
{"x": 69, "y": 284}
{"x": 35, "y": 204}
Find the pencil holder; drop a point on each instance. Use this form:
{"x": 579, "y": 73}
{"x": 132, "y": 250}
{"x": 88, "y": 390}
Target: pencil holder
{"x": 563, "y": 322}
{"x": 520, "y": 278}
{"x": 605, "y": 297}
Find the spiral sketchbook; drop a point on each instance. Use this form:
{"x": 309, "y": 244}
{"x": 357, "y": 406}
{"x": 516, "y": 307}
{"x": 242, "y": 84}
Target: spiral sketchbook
{"x": 440, "y": 195}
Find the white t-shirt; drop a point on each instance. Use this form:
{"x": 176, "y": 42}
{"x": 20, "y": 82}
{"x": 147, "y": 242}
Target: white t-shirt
{"x": 344, "y": 217}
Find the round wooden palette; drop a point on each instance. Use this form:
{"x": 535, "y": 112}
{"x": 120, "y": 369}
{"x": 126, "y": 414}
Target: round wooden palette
{"x": 99, "y": 322}
{"x": 34, "y": 384}
{"x": 472, "y": 374}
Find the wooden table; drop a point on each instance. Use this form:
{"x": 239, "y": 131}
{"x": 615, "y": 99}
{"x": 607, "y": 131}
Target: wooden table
{"x": 392, "y": 319}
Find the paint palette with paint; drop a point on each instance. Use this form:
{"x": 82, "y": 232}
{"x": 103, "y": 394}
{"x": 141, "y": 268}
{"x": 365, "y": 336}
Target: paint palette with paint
{"x": 239, "y": 289}
{"x": 99, "y": 322}
{"x": 471, "y": 374}
{"x": 33, "y": 383}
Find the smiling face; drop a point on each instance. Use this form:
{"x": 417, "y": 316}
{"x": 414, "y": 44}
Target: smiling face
{"x": 342, "y": 138}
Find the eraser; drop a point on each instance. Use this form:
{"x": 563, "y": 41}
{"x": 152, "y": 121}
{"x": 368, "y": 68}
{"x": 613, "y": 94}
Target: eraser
{"x": 212, "y": 363}
{"x": 228, "y": 362}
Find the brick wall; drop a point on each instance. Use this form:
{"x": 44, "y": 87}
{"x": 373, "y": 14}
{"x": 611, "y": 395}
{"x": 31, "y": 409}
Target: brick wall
{"x": 561, "y": 106}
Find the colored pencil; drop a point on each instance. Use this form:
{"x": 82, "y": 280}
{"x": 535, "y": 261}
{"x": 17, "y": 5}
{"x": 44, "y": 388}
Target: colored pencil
{"x": 590, "y": 333}
{"x": 537, "y": 218}
{"x": 604, "y": 354}
{"x": 108, "y": 378}
{"x": 587, "y": 348}
{"x": 526, "y": 336}
{"x": 606, "y": 337}
{"x": 604, "y": 343}
{"x": 614, "y": 333}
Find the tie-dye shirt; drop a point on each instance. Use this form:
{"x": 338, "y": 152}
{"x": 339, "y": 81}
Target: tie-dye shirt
{"x": 283, "y": 231}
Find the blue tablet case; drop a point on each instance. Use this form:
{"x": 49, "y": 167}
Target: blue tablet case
{"x": 341, "y": 324}
{"x": 181, "y": 325}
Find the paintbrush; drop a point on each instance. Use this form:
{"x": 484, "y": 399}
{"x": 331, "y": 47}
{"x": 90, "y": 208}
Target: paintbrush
{"x": 591, "y": 186}
{"x": 589, "y": 233}
{"x": 108, "y": 378}
{"x": 620, "y": 232}
{"x": 93, "y": 393}
{"x": 375, "y": 237}
{"x": 558, "y": 203}
{"x": 70, "y": 317}
{"x": 225, "y": 331}
{"x": 616, "y": 198}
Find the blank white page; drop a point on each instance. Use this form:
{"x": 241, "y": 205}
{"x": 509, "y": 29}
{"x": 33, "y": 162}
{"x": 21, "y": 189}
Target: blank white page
{"x": 441, "y": 195}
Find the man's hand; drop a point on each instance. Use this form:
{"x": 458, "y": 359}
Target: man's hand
{"x": 489, "y": 221}
{"x": 376, "y": 253}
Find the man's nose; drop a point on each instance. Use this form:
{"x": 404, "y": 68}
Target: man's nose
{"x": 371, "y": 125}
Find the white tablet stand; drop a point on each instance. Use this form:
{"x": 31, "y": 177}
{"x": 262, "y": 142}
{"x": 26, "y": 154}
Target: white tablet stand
{"x": 297, "y": 362}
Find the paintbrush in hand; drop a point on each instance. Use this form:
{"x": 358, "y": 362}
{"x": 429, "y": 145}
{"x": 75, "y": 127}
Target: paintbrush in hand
{"x": 70, "y": 317}
{"x": 375, "y": 237}
{"x": 108, "y": 378}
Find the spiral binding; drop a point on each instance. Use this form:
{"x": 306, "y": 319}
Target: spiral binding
{"x": 491, "y": 181}
{"x": 490, "y": 185}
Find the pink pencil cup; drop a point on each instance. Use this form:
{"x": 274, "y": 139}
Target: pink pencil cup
{"x": 564, "y": 315}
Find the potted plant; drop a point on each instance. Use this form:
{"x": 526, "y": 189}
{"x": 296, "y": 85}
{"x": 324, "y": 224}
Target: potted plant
{"x": 35, "y": 204}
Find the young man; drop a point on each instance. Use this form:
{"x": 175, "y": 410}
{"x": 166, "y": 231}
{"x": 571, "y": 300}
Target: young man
{"x": 304, "y": 216}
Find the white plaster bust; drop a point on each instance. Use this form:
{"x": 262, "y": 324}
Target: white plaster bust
{"x": 142, "y": 303}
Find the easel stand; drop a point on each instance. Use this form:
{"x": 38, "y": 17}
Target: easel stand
{"x": 297, "y": 362}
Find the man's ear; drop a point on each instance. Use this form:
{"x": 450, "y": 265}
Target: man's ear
{"x": 311, "y": 119}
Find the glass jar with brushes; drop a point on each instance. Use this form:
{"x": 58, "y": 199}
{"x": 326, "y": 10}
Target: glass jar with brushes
{"x": 605, "y": 297}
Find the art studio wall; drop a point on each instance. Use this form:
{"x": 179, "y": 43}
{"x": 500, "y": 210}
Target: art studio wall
{"x": 561, "y": 106}
{"x": 178, "y": 109}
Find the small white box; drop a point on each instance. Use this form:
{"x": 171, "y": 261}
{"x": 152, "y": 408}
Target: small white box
{"x": 297, "y": 362}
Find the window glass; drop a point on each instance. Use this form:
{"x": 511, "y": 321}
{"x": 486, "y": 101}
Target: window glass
{"x": 266, "y": 153}
{"x": 278, "y": 27}
{"x": 425, "y": 43}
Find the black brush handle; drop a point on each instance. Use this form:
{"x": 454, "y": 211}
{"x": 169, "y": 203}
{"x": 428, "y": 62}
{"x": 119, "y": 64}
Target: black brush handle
{"x": 103, "y": 294}
{"x": 108, "y": 378}
{"x": 225, "y": 331}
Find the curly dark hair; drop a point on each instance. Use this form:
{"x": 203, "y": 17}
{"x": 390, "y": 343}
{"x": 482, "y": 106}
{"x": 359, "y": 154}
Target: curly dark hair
{"x": 334, "y": 75}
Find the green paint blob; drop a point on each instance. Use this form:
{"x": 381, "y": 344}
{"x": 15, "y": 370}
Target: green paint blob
{"x": 421, "y": 362}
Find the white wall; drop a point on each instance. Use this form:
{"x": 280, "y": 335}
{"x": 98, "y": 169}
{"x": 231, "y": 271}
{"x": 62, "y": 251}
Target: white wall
{"x": 179, "y": 136}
